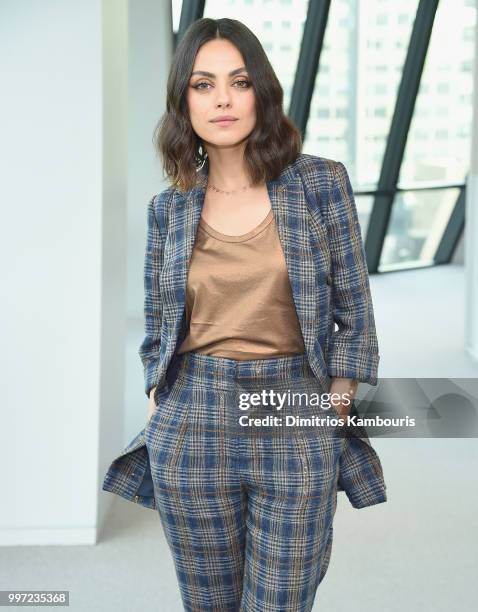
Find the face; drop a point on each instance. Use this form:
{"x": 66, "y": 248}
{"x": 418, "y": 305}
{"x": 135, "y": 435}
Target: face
{"x": 219, "y": 85}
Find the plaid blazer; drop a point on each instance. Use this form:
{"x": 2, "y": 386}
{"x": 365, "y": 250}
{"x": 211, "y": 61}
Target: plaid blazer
{"x": 318, "y": 226}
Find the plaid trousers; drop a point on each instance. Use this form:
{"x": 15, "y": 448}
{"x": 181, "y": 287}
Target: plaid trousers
{"x": 246, "y": 503}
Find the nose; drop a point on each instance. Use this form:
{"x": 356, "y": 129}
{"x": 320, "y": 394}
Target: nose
{"x": 223, "y": 95}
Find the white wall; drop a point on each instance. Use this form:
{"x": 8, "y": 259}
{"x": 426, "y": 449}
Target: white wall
{"x": 150, "y": 51}
{"x": 471, "y": 227}
{"x": 69, "y": 165}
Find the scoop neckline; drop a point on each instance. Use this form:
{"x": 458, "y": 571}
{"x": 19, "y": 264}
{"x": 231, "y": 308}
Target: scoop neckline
{"x": 230, "y": 238}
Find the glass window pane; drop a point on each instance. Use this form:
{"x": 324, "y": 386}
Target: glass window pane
{"x": 177, "y": 5}
{"x": 364, "y": 208}
{"x": 438, "y": 145}
{"x": 356, "y": 86}
{"x": 416, "y": 227}
{"x": 278, "y": 25}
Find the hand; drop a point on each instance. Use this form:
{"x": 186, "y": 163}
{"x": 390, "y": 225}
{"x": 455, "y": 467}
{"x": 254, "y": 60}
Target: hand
{"x": 343, "y": 386}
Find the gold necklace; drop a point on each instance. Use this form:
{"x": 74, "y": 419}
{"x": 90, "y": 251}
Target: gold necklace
{"x": 209, "y": 185}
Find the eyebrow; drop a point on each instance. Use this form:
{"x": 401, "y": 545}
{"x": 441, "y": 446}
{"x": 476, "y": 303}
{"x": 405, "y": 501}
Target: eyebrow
{"x": 213, "y": 76}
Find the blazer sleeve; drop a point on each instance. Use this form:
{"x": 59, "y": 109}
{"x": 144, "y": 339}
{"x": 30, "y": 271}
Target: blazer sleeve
{"x": 153, "y": 261}
{"x": 353, "y": 347}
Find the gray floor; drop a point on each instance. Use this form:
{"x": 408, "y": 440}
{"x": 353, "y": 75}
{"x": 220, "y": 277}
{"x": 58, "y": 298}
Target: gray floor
{"x": 417, "y": 552}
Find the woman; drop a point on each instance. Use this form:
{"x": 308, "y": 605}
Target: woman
{"x": 253, "y": 254}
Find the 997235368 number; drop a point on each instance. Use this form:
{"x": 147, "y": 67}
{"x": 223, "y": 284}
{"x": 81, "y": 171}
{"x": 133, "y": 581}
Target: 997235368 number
{"x": 34, "y": 598}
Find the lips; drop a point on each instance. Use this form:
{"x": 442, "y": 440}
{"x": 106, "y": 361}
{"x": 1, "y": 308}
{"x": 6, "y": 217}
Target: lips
{"x": 224, "y": 122}
{"x": 225, "y": 119}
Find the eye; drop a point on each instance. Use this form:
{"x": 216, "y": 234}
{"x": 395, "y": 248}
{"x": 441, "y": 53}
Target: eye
{"x": 246, "y": 83}
{"x": 197, "y": 86}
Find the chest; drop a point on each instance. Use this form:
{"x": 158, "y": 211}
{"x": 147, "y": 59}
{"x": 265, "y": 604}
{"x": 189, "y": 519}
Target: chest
{"x": 236, "y": 214}
{"x": 303, "y": 241}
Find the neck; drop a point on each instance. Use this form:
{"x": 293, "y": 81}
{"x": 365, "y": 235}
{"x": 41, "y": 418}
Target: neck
{"x": 227, "y": 169}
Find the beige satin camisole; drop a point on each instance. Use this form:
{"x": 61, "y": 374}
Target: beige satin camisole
{"x": 239, "y": 301}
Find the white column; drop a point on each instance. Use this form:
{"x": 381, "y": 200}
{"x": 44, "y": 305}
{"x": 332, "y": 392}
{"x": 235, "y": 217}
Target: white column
{"x": 150, "y": 52}
{"x": 73, "y": 178}
{"x": 471, "y": 228}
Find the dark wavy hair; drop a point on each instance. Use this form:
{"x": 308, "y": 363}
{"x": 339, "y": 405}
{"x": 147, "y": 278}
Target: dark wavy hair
{"x": 273, "y": 143}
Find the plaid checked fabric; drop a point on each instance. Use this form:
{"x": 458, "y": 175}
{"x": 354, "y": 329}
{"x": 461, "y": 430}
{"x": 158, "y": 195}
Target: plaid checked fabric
{"x": 249, "y": 518}
{"x": 247, "y": 514}
{"x": 318, "y": 226}
{"x": 317, "y": 222}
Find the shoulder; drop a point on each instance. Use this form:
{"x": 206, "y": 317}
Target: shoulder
{"x": 163, "y": 197}
{"x": 323, "y": 176}
{"x": 160, "y": 204}
{"x": 318, "y": 172}
{"x": 318, "y": 175}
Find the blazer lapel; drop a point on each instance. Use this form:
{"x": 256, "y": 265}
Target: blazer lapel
{"x": 292, "y": 221}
